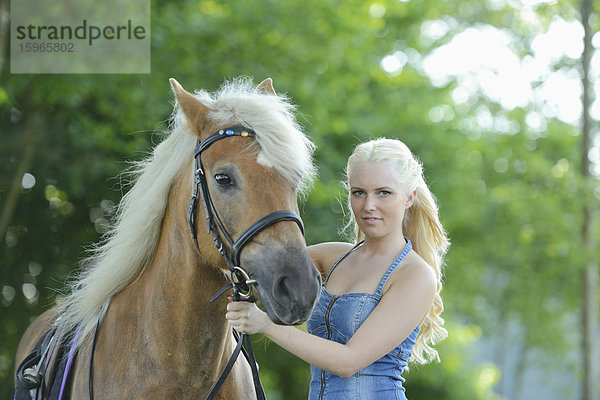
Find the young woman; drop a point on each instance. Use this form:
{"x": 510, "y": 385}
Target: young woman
{"x": 380, "y": 302}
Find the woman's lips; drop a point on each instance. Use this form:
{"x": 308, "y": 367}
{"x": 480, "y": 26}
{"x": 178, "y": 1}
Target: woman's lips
{"x": 371, "y": 219}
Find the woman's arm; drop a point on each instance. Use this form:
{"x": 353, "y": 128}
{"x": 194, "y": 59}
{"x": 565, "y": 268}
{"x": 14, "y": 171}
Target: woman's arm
{"x": 401, "y": 309}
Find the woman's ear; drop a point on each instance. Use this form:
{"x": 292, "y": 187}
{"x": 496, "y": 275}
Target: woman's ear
{"x": 411, "y": 199}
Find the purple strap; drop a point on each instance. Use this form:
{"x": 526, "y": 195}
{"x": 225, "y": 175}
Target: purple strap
{"x": 69, "y": 361}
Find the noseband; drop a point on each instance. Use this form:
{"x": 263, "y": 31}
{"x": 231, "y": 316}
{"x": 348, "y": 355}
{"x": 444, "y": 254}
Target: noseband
{"x": 241, "y": 282}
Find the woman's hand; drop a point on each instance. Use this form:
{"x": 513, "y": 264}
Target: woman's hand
{"x": 246, "y": 317}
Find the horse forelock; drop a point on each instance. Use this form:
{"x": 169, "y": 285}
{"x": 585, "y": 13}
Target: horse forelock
{"x": 127, "y": 248}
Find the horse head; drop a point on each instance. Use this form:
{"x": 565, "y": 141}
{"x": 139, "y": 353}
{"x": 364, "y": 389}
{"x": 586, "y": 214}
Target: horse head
{"x": 253, "y": 174}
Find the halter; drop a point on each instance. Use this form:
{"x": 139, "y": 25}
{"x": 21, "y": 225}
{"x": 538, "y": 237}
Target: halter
{"x": 241, "y": 283}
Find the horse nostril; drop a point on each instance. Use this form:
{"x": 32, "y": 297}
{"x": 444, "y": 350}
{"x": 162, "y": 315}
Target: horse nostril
{"x": 282, "y": 291}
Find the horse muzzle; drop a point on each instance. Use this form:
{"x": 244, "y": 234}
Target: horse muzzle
{"x": 288, "y": 283}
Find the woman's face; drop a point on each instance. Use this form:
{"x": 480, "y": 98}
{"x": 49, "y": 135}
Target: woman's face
{"x": 378, "y": 200}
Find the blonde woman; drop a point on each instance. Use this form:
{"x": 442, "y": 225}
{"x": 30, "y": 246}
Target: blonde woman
{"x": 380, "y": 301}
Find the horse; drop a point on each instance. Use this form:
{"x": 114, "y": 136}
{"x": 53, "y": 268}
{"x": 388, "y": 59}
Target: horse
{"x": 141, "y": 309}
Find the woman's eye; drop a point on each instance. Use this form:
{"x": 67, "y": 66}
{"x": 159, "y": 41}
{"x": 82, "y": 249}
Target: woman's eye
{"x": 384, "y": 193}
{"x": 357, "y": 193}
{"x": 222, "y": 179}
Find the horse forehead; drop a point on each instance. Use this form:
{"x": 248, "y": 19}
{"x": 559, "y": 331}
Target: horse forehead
{"x": 245, "y": 153}
{"x": 240, "y": 150}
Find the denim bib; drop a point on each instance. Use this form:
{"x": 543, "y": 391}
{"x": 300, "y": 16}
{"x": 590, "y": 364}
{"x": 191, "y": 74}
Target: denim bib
{"x": 337, "y": 318}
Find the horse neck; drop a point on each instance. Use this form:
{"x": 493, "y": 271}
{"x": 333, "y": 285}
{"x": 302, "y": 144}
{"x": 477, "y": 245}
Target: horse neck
{"x": 166, "y": 320}
{"x": 177, "y": 287}
{"x": 186, "y": 281}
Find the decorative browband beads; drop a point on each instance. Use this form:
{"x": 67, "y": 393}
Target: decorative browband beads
{"x": 240, "y": 131}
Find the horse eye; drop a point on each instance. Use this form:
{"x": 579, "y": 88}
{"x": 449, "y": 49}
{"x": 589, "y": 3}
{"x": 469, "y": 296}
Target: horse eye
{"x": 222, "y": 179}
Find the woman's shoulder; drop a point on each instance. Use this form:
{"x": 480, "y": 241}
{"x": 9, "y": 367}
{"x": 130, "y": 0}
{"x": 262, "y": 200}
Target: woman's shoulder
{"x": 414, "y": 271}
{"x": 325, "y": 254}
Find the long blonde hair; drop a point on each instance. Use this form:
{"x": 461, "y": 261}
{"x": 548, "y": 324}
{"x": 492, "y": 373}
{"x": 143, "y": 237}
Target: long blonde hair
{"x": 421, "y": 225}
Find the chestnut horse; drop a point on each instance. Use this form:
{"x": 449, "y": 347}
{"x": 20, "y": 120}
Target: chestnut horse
{"x": 152, "y": 280}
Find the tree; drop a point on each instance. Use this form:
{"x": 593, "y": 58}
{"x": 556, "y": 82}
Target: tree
{"x": 590, "y": 270}
{"x": 506, "y": 185}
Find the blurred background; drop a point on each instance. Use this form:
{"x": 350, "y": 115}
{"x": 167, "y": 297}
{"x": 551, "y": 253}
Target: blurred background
{"x": 496, "y": 97}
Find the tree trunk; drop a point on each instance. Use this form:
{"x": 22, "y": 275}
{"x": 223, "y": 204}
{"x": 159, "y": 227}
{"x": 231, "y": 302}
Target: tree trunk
{"x": 590, "y": 270}
{"x": 521, "y": 367}
{"x": 503, "y": 338}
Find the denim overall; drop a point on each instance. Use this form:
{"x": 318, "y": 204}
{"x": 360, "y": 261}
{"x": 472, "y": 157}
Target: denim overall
{"x": 337, "y": 318}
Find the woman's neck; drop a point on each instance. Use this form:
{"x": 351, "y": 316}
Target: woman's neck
{"x": 390, "y": 244}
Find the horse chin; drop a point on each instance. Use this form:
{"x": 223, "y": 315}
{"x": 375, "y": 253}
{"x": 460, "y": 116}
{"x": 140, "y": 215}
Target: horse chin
{"x": 280, "y": 315}
{"x": 284, "y": 319}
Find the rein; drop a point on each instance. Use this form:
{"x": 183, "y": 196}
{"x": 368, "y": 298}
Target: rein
{"x": 241, "y": 282}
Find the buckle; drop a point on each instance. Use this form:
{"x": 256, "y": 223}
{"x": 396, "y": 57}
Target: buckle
{"x": 242, "y": 284}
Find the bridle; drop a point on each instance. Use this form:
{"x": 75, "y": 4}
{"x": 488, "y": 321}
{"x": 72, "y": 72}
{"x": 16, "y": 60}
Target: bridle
{"x": 241, "y": 282}
{"x": 239, "y": 278}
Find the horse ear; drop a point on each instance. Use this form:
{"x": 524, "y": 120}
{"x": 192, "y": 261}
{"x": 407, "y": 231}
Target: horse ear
{"x": 193, "y": 109}
{"x": 266, "y": 87}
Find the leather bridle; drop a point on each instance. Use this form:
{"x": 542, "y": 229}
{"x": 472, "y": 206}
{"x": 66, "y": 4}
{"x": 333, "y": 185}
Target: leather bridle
{"x": 241, "y": 282}
{"x": 215, "y": 226}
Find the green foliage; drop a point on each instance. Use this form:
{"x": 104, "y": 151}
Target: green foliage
{"x": 457, "y": 376}
{"x": 510, "y": 201}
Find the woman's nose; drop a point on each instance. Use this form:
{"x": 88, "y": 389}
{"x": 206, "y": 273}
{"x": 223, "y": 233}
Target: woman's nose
{"x": 370, "y": 203}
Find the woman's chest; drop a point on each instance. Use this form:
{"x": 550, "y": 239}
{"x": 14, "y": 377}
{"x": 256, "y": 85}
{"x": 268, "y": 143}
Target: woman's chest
{"x": 361, "y": 277}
